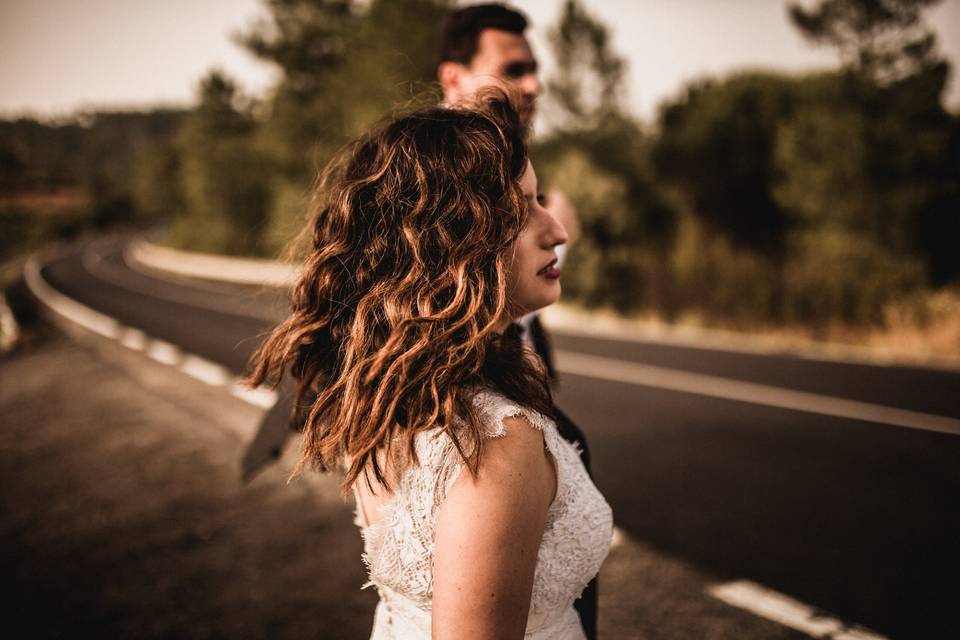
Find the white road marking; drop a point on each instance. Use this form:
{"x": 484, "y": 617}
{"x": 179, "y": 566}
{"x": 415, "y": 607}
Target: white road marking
{"x": 205, "y": 370}
{"x": 9, "y": 331}
{"x": 857, "y": 634}
{"x": 260, "y": 396}
{"x": 784, "y": 610}
{"x": 133, "y": 339}
{"x": 725, "y": 388}
{"x": 164, "y": 352}
{"x": 67, "y": 307}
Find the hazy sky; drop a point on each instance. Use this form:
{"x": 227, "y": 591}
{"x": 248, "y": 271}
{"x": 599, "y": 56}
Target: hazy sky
{"x": 57, "y": 56}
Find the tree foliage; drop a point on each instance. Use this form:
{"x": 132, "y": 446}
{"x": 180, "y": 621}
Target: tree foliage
{"x": 715, "y": 145}
{"x": 588, "y": 84}
{"x": 884, "y": 40}
{"x": 597, "y": 154}
{"x": 343, "y": 65}
{"x": 752, "y": 199}
{"x": 224, "y": 180}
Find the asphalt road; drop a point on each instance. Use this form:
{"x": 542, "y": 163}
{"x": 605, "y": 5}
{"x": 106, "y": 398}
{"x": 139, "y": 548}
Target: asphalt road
{"x": 858, "y": 518}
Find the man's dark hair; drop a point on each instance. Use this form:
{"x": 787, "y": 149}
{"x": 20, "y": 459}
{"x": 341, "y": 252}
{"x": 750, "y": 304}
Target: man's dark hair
{"x": 460, "y": 30}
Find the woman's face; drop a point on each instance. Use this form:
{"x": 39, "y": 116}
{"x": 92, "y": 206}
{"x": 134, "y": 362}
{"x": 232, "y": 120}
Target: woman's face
{"x": 534, "y": 277}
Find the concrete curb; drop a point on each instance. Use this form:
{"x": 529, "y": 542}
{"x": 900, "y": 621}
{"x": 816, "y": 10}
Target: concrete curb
{"x": 211, "y": 267}
{"x": 560, "y": 318}
{"x": 80, "y": 321}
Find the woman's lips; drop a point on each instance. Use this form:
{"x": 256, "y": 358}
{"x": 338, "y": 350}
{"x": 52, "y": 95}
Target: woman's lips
{"x": 551, "y": 271}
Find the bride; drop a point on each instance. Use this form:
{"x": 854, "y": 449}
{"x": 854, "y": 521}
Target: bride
{"x": 428, "y": 241}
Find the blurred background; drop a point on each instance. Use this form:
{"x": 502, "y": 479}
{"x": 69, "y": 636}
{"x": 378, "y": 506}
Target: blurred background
{"x": 753, "y": 178}
{"x": 744, "y": 164}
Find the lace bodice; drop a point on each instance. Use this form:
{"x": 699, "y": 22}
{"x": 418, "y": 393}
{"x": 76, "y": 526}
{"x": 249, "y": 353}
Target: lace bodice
{"x": 398, "y": 547}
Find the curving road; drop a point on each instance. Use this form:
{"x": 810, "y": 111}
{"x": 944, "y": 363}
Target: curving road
{"x": 836, "y": 483}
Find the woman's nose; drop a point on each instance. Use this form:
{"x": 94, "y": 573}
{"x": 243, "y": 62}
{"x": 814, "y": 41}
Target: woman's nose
{"x": 554, "y": 233}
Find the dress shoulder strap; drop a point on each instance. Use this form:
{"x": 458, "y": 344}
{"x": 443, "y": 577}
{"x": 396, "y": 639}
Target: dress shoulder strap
{"x": 493, "y": 407}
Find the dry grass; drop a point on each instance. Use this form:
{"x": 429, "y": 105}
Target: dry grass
{"x": 924, "y": 330}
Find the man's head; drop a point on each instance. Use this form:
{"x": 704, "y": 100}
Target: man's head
{"x": 481, "y": 46}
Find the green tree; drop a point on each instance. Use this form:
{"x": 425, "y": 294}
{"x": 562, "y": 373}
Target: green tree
{"x": 588, "y": 83}
{"x": 224, "y": 177}
{"x": 715, "y": 147}
{"x": 884, "y": 40}
{"x": 908, "y": 173}
{"x": 598, "y": 155}
{"x": 342, "y": 66}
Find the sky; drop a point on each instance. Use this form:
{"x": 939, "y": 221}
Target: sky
{"x": 61, "y": 56}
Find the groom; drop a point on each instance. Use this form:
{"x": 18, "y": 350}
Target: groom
{"x": 484, "y": 46}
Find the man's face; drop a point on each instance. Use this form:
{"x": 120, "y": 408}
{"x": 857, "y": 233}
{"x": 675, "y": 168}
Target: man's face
{"x": 504, "y": 60}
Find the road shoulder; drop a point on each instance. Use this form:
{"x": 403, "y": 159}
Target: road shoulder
{"x": 124, "y": 515}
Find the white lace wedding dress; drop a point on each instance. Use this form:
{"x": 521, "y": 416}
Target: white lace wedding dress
{"x": 398, "y": 546}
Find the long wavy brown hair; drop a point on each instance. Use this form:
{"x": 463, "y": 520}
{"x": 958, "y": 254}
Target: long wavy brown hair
{"x": 394, "y": 318}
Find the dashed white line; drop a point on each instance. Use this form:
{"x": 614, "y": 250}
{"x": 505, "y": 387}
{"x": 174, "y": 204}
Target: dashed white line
{"x": 727, "y": 389}
{"x": 260, "y": 396}
{"x": 66, "y": 307}
{"x": 164, "y": 352}
{"x": 158, "y": 350}
{"x": 205, "y": 371}
{"x": 788, "y": 612}
{"x": 133, "y": 339}
{"x": 743, "y": 594}
{"x": 9, "y": 331}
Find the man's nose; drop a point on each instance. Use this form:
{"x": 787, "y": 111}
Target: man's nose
{"x": 530, "y": 85}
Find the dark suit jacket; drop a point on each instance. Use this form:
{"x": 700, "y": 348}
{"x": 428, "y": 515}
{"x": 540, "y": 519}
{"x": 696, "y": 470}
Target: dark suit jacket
{"x": 586, "y": 606}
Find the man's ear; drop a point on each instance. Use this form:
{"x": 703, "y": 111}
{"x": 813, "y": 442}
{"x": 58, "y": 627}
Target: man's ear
{"x": 450, "y": 75}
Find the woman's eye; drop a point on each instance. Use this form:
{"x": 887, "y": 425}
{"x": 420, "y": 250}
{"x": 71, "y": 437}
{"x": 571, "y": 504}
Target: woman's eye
{"x": 541, "y": 199}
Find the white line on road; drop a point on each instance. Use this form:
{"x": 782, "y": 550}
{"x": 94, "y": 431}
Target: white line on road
{"x": 9, "y": 330}
{"x": 567, "y": 361}
{"x": 784, "y": 610}
{"x": 164, "y": 352}
{"x": 725, "y": 388}
{"x": 260, "y": 396}
{"x": 135, "y": 339}
{"x": 205, "y": 371}
{"x": 67, "y": 307}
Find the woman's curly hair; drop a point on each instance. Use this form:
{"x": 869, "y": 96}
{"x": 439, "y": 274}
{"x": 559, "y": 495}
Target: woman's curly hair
{"x": 394, "y": 318}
